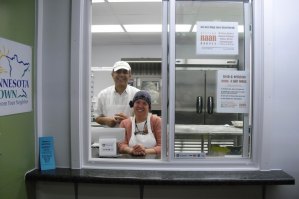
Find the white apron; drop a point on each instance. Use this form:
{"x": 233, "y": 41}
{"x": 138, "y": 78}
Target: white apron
{"x": 148, "y": 140}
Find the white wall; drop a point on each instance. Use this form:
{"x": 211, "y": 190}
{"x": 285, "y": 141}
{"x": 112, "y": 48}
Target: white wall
{"x": 281, "y": 72}
{"x": 54, "y": 96}
{"x": 281, "y": 129}
{"x": 108, "y": 55}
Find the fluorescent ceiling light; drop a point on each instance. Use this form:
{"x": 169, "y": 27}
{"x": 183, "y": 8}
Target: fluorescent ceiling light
{"x": 143, "y": 28}
{"x": 182, "y": 27}
{"x": 240, "y": 28}
{"x": 124, "y": 1}
{"x": 103, "y": 68}
{"x": 106, "y": 28}
{"x": 134, "y": 1}
{"x": 155, "y": 28}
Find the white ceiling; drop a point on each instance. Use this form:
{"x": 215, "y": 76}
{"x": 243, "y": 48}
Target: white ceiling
{"x": 187, "y": 12}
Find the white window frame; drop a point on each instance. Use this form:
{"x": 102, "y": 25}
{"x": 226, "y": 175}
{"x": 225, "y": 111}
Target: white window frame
{"x": 80, "y": 109}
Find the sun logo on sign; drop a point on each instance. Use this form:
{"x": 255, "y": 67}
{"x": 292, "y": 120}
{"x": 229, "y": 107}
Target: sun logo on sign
{"x": 3, "y": 55}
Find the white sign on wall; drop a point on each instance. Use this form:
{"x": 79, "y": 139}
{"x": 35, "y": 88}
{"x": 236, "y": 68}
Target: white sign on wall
{"x": 217, "y": 38}
{"x": 15, "y": 77}
{"x": 232, "y": 92}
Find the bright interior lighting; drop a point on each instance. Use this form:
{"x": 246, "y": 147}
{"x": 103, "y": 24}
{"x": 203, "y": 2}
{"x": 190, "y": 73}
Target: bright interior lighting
{"x": 143, "y": 28}
{"x": 106, "y": 28}
{"x": 240, "y": 28}
{"x": 98, "y": 1}
{"x": 103, "y": 68}
{"x": 112, "y": 1}
{"x": 182, "y": 27}
{"x": 138, "y": 28}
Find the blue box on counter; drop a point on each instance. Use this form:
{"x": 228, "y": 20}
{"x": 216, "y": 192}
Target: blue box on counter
{"x": 46, "y": 153}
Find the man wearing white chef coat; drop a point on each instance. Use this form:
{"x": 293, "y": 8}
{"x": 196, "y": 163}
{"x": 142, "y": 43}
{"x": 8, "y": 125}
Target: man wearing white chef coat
{"x": 112, "y": 105}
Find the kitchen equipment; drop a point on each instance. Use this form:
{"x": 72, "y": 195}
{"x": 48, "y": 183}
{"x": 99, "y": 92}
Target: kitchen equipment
{"x": 195, "y": 108}
{"x": 146, "y": 73}
{"x": 196, "y": 89}
{"x": 153, "y": 86}
{"x": 238, "y": 124}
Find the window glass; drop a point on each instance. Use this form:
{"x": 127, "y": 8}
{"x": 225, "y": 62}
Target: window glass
{"x": 212, "y": 78}
{"x": 130, "y": 32}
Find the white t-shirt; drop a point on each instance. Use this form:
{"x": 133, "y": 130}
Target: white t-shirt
{"x": 109, "y": 102}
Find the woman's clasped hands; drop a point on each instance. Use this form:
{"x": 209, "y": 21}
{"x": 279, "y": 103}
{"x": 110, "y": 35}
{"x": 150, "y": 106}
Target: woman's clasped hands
{"x": 138, "y": 150}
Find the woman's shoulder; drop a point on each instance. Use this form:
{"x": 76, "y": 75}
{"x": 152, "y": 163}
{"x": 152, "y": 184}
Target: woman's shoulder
{"x": 155, "y": 118}
{"x": 126, "y": 122}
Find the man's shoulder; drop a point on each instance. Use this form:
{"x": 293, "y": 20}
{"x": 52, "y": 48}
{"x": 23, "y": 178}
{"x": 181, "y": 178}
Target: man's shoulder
{"x": 107, "y": 90}
{"x": 132, "y": 89}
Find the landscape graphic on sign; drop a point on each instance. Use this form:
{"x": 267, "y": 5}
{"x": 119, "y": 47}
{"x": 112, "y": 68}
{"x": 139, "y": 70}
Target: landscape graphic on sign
{"x": 15, "y": 77}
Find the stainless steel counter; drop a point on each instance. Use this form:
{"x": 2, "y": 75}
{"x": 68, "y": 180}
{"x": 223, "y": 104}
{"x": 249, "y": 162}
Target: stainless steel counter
{"x": 207, "y": 129}
{"x": 208, "y": 138}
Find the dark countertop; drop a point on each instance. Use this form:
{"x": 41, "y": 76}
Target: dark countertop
{"x": 153, "y": 177}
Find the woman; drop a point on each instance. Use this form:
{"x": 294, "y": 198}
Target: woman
{"x": 143, "y": 130}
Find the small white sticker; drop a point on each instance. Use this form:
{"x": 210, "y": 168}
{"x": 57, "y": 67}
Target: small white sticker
{"x": 107, "y": 147}
{"x": 190, "y": 155}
